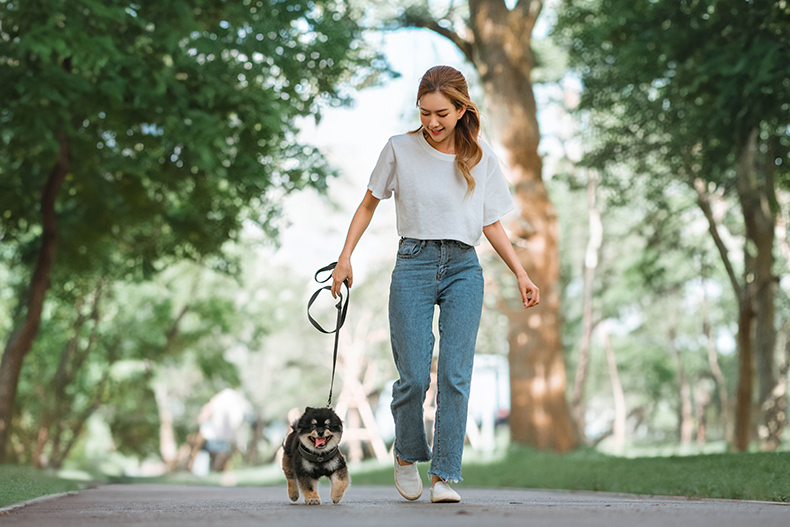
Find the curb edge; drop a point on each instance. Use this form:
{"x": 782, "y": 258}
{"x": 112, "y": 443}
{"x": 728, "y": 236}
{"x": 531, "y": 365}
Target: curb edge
{"x": 15, "y": 506}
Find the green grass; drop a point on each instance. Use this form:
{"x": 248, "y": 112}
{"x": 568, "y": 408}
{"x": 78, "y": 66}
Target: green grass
{"x": 752, "y": 476}
{"x": 258, "y": 476}
{"x": 19, "y": 484}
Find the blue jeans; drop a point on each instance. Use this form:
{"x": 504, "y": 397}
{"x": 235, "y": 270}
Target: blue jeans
{"x": 427, "y": 273}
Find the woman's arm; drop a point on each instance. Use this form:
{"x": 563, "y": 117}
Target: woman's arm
{"x": 495, "y": 233}
{"x": 359, "y": 223}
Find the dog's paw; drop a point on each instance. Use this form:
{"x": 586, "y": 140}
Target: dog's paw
{"x": 293, "y": 491}
{"x": 339, "y": 486}
{"x": 312, "y": 501}
{"x": 337, "y": 493}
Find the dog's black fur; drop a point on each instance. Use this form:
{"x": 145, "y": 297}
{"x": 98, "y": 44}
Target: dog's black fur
{"x": 311, "y": 452}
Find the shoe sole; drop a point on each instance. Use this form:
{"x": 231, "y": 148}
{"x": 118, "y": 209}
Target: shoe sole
{"x": 410, "y": 497}
{"x": 445, "y": 494}
{"x": 449, "y": 499}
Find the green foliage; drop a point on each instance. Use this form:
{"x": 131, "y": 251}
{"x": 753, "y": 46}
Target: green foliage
{"x": 167, "y": 328}
{"x": 656, "y": 258}
{"x": 178, "y": 122}
{"x": 671, "y": 92}
{"x": 682, "y": 81}
{"x": 750, "y": 476}
{"x": 133, "y": 416}
{"x": 295, "y": 367}
{"x": 178, "y": 118}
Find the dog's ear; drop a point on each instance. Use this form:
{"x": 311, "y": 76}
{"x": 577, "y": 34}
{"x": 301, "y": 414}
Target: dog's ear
{"x": 307, "y": 409}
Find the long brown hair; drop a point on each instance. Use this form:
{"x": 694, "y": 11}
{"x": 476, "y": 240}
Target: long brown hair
{"x": 452, "y": 84}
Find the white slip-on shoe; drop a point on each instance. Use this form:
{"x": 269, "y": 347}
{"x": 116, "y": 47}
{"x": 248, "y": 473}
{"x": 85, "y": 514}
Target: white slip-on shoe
{"x": 407, "y": 480}
{"x": 442, "y": 493}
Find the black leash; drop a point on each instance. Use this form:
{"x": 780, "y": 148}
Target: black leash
{"x": 342, "y": 308}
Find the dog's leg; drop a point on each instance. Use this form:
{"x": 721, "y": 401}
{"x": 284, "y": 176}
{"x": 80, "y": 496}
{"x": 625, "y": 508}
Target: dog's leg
{"x": 310, "y": 489}
{"x": 293, "y": 487}
{"x": 340, "y": 482}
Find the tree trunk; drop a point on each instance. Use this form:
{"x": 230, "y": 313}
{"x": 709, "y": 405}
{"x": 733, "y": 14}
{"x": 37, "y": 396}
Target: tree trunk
{"x": 21, "y": 339}
{"x": 715, "y": 368}
{"x": 685, "y": 422}
{"x": 618, "y": 428}
{"x": 775, "y": 408}
{"x": 77, "y": 425}
{"x": 499, "y": 46}
{"x": 743, "y": 402}
{"x": 503, "y": 55}
{"x": 745, "y": 344}
{"x": 594, "y": 241}
{"x": 55, "y": 397}
{"x": 168, "y": 448}
{"x": 758, "y": 201}
{"x": 702, "y": 399}
{"x": 59, "y": 406}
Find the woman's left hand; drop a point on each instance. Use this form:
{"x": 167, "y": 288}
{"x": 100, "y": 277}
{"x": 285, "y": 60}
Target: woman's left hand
{"x": 530, "y": 294}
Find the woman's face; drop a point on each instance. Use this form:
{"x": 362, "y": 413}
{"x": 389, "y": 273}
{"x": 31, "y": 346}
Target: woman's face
{"x": 439, "y": 117}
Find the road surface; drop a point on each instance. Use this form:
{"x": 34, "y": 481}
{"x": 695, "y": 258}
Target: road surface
{"x": 170, "y": 506}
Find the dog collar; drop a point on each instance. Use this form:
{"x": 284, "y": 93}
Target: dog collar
{"x": 317, "y": 458}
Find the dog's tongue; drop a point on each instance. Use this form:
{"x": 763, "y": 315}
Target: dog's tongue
{"x": 320, "y": 441}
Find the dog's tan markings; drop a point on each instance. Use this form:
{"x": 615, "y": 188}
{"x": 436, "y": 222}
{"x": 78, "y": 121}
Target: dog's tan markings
{"x": 311, "y": 496}
{"x": 340, "y": 482}
{"x": 293, "y": 490}
{"x": 293, "y": 486}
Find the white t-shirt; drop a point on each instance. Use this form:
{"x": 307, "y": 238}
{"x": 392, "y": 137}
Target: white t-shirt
{"x": 430, "y": 191}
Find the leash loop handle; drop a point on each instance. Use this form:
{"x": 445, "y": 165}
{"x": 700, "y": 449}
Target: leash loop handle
{"x": 342, "y": 310}
{"x": 341, "y": 306}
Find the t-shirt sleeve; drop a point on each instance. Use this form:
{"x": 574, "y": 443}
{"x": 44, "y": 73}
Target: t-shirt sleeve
{"x": 382, "y": 179}
{"x": 498, "y": 200}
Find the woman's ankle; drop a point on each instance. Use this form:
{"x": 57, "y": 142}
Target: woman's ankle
{"x": 401, "y": 462}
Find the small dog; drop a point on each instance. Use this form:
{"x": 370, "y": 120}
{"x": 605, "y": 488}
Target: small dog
{"x": 311, "y": 452}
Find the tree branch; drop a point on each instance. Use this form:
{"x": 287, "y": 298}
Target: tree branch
{"x": 703, "y": 200}
{"x": 82, "y": 418}
{"x": 82, "y": 355}
{"x": 530, "y": 8}
{"x": 419, "y": 17}
{"x": 21, "y": 339}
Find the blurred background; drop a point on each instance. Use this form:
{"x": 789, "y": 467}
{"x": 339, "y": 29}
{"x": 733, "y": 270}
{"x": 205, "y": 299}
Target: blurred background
{"x": 173, "y": 173}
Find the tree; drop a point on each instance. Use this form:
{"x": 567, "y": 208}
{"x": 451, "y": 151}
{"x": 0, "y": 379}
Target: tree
{"x": 699, "y": 88}
{"x": 104, "y": 355}
{"x": 139, "y": 133}
{"x": 497, "y": 40}
{"x": 591, "y": 258}
{"x": 647, "y": 291}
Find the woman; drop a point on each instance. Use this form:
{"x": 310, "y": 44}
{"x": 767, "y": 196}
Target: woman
{"x": 449, "y": 191}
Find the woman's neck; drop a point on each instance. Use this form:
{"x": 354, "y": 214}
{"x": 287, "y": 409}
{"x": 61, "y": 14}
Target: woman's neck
{"x": 446, "y": 146}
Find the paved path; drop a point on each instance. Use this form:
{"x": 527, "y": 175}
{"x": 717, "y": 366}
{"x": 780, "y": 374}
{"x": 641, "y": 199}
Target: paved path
{"x": 168, "y": 506}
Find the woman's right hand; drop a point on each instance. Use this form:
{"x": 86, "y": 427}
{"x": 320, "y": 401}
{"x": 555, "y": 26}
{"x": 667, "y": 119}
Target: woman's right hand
{"x": 341, "y": 272}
